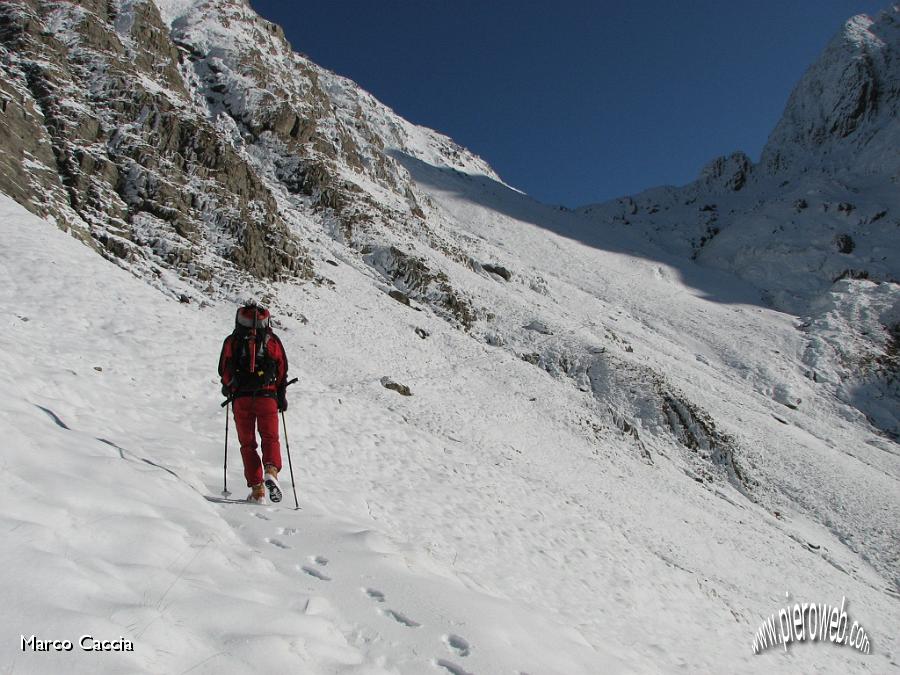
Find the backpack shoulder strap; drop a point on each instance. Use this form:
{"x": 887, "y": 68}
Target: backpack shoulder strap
{"x": 281, "y": 349}
{"x": 227, "y": 353}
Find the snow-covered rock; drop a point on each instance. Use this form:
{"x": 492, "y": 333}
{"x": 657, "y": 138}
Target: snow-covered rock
{"x": 189, "y": 135}
{"x": 843, "y": 113}
{"x": 822, "y": 205}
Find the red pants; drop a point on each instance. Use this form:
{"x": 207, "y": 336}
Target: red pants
{"x": 250, "y": 413}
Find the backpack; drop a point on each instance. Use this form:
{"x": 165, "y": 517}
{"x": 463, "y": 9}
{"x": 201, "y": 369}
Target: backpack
{"x": 252, "y": 374}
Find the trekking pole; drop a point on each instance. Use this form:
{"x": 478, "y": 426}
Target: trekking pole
{"x": 287, "y": 444}
{"x": 225, "y": 491}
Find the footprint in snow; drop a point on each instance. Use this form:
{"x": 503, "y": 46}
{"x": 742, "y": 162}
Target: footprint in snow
{"x": 451, "y": 667}
{"x": 313, "y": 572}
{"x": 457, "y": 644}
{"x": 277, "y": 543}
{"x": 261, "y": 516}
{"x": 402, "y": 619}
{"x": 376, "y": 595}
{"x": 56, "y": 418}
{"x": 318, "y": 560}
{"x": 288, "y": 531}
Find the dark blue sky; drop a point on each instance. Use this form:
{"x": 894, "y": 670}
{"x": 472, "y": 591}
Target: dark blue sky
{"x": 577, "y": 101}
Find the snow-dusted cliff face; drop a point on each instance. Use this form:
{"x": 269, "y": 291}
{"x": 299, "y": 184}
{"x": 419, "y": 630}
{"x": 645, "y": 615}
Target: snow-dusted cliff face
{"x": 844, "y": 112}
{"x": 829, "y": 173}
{"x": 189, "y": 136}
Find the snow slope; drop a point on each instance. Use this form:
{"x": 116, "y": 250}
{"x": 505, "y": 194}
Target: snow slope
{"x": 642, "y": 331}
{"x": 477, "y": 526}
{"x": 112, "y": 447}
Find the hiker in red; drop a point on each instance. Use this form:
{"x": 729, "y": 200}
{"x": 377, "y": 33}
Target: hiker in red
{"x": 253, "y": 367}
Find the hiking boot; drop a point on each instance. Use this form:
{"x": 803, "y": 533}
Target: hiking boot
{"x": 257, "y": 494}
{"x": 272, "y": 484}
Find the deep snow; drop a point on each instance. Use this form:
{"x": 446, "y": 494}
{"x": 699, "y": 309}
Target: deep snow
{"x": 477, "y": 526}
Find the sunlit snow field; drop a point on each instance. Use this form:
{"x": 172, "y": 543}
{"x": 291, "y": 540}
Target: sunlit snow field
{"x": 486, "y": 524}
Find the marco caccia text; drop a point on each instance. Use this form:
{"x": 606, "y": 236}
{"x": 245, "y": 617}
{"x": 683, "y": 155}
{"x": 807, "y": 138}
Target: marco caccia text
{"x": 87, "y": 643}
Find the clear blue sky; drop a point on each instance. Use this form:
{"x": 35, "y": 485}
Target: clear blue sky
{"x": 576, "y": 101}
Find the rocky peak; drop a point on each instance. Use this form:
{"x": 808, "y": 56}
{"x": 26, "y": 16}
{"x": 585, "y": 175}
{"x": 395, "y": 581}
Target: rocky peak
{"x": 843, "y": 112}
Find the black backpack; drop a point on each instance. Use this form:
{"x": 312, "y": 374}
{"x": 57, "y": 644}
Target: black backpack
{"x": 265, "y": 372}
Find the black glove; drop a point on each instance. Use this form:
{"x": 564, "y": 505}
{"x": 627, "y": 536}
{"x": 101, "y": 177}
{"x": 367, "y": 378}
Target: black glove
{"x": 226, "y": 391}
{"x": 282, "y": 399}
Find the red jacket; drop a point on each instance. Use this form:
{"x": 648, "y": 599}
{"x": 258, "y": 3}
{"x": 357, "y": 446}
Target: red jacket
{"x": 273, "y": 349}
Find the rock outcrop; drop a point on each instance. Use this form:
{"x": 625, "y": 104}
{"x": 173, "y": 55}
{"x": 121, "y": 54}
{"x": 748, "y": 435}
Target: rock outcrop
{"x": 843, "y": 112}
{"x": 102, "y": 136}
{"x": 189, "y": 136}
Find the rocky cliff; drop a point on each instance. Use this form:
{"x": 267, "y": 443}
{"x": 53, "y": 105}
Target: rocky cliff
{"x": 843, "y": 113}
{"x": 190, "y": 137}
